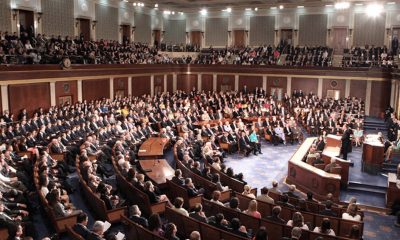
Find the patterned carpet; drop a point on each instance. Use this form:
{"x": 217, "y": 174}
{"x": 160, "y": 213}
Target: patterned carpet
{"x": 259, "y": 171}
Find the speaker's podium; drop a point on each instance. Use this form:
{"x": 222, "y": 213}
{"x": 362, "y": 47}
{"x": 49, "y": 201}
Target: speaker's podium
{"x": 373, "y": 154}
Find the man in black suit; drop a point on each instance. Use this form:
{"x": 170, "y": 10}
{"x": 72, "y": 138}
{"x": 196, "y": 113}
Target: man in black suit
{"x": 285, "y": 201}
{"x": 328, "y": 210}
{"x": 346, "y": 141}
{"x": 81, "y": 225}
{"x": 276, "y": 211}
{"x": 97, "y": 232}
{"x": 178, "y": 179}
{"x": 191, "y": 189}
{"x": 244, "y": 146}
{"x": 198, "y": 213}
{"x": 136, "y": 216}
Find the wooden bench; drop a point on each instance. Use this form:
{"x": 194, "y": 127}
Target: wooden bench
{"x": 178, "y": 191}
{"x": 59, "y": 223}
{"x": 186, "y": 225}
{"x": 3, "y": 234}
{"x": 98, "y": 206}
{"x": 340, "y": 226}
{"x": 233, "y": 184}
{"x": 135, "y": 196}
{"x": 136, "y": 232}
{"x": 73, "y": 235}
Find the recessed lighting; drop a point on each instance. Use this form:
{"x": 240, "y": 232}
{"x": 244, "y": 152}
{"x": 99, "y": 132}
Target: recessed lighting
{"x": 229, "y": 9}
{"x": 273, "y": 7}
{"x": 181, "y": 13}
{"x": 300, "y": 6}
{"x": 134, "y": 4}
{"x": 256, "y": 9}
{"x": 342, "y": 5}
{"x": 374, "y": 10}
{"x": 359, "y": 4}
{"x": 248, "y": 9}
{"x": 391, "y": 3}
{"x": 281, "y": 6}
{"x": 328, "y": 5}
{"x": 203, "y": 11}
{"x": 156, "y": 5}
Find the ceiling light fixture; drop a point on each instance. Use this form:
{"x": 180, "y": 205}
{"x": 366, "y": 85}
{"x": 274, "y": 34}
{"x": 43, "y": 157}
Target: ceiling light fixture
{"x": 342, "y": 5}
{"x": 229, "y": 9}
{"x": 256, "y": 9}
{"x": 203, "y": 11}
{"x": 281, "y": 6}
{"x": 374, "y": 9}
{"x": 300, "y": 6}
{"x": 156, "y": 5}
{"x": 391, "y": 3}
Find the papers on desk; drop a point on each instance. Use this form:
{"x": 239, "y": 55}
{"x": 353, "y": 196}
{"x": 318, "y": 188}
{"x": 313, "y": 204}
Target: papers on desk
{"x": 120, "y": 236}
{"x": 142, "y": 150}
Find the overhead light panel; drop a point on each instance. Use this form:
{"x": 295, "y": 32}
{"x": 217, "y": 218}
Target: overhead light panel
{"x": 300, "y": 6}
{"x": 281, "y": 6}
{"x": 342, "y": 5}
{"x": 203, "y": 11}
{"x": 273, "y": 7}
{"x": 156, "y": 5}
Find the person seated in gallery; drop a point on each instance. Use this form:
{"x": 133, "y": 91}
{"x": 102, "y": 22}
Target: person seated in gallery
{"x": 177, "y": 178}
{"x": 280, "y": 133}
{"x": 233, "y": 204}
{"x": 191, "y": 189}
{"x": 178, "y": 206}
{"x": 255, "y": 142}
{"x": 135, "y": 216}
{"x": 318, "y": 159}
{"x": 274, "y": 188}
{"x": 292, "y": 192}
{"x": 228, "y": 139}
{"x": 273, "y": 137}
{"x": 198, "y": 213}
{"x": 289, "y": 133}
{"x": 328, "y": 210}
{"x": 264, "y": 196}
{"x": 244, "y": 145}
{"x": 351, "y": 213}
{"x": 297, "y": 221}
{"x": 247, "y": 192}
{"x": 325, "y": 228}
{"x": 284, "y": 201}
{"x": 392, "y": 147}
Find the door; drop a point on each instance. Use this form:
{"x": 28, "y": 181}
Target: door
{"x": 26, "y": 22}
{"x": 286, "y": 36}
{"x": 126, "y": 33}
{"x": 195, "y": 38}
{"x": 339, "y": 41}
{"x": 84, "y": 27}
{"x": 239, "y": 38}
{"x": 157, "y": 37}
{"x": 394, "y": 43}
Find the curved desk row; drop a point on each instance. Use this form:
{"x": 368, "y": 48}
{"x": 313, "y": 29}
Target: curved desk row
{"x": 309, "y": 178}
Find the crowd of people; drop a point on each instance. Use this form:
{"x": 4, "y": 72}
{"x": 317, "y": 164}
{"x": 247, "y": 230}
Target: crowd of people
{"x": 96, "y": 132}
{"x": 369, "y": 56}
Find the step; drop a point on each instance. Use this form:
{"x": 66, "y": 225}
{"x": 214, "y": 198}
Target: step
{"x": 389, "y": 170}
{"x": 367, "y": 188}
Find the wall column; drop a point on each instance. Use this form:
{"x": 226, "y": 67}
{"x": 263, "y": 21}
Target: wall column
{"x": 236, "y": 83}
{"x": 174, "y": 81}
{"x": 79, "y": 90}
{"x": 347, "y": 88}
{"x": 368, "y": 97}
{"x": 165, "y": 83}
{"x": 320, "y": 80}
{"x": 264, "y": 86}
{"x": 111, "y": 88}
{"x": 214, "y": 82}
{"x": 53, "y": 94}
{"x": 129, "y": 86}
{"x": 393, "y": 93}
{"x": 199, "y": 81}
{"x": 4, "y": 98}
{"x": 152, "y": 85}
{"x": 289, "y": 86}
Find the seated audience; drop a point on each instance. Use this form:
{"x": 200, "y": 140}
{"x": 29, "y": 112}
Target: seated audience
{"x": 325, "y": 228}
{"x": 297, "y": 221}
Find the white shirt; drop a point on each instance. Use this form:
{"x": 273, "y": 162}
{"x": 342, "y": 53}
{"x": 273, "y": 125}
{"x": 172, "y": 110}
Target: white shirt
{"x": 318, "y": 230}
{"x": 349, "y": 217}
{"x": 304, "y": 227}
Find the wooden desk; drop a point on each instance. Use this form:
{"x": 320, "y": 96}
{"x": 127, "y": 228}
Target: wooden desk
{"x": 372, "y": 157}
{"x": 153, "y": 148}
{"x": 393, "y": 192}
{"x": 332, "y": 150}
{"x": 309, "y": 178}
{"x": 158, "y": 170}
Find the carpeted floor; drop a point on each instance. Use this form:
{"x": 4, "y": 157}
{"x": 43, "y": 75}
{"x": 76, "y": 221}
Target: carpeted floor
{"x": 259, "y": 171}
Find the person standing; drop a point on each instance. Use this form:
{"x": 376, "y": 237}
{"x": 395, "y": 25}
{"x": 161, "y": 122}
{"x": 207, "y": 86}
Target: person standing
{"x": 346, "y": 141}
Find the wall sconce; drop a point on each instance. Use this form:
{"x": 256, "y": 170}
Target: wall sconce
{"x": 15, "y": 13}
{"x": 387, "y": 31}
{"x": 329, "y": 31}
{"x": 350, "y": 32}
{"x": 39, "y": 16}
{"x": 94, "y": 24}
{"x": 295, "y": 31}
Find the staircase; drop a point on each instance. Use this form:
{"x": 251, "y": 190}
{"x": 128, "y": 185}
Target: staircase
{"x": 374, "y": 124}
{"x": 366, "y": 188}
{"x": 337, "y": 60}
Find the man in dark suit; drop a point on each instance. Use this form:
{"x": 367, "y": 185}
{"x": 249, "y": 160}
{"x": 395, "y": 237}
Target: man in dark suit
{"x": 136, "y": 216}
{"x": 328, "y": 210}
{"x": 285, "y": 201}
{"x": 346, "y": 141}
{"x": 81, "y": 225}
{"x": 191, "y": 189}
{"x": 178, "y": 179}
{"x": 198, "y": 213}
{"x": 244, "y": 146}
{"x": 97, "y": 232}
{"x": 276, "y": 211}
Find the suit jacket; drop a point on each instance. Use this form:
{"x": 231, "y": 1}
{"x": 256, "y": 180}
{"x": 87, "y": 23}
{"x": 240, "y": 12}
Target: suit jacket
{"x": 328, "y": 212}
{"x": 82, "y": 230}
{"x": 140, "y": 220}
{"x": 276, "y": 219}
{"x": 198, "y": 217}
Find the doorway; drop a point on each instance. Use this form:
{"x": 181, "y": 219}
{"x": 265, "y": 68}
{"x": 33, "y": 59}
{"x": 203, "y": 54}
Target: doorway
{"x": 84, "y": 29}
{"x": 195, "y": 38}
{"x": 339, "y": 39}
{"x": 126, "y": 33}
{"x": 239, "y": 38}
{"x": 286, "y": 36}
{"x": 26, "y": 23}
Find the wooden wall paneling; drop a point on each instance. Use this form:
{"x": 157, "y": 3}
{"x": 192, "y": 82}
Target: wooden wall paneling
{"x": 195, "y": 38}
{"x": 64, "y": 89}
{"x": 251, "y": 82}
{"x": 334, "y": 84}
{"x": 158, "y": 84}
{"x": 307, "y": 85}
{"x": 276, "y": 82}
{"x": 239, "y": 38}
{"x": 95, "y": 89}
{"x": 121, "y": 87}
{"x": 358, "y": 89}
{"x": 29, "y": 96}
{"x": 186, "y": 82}
{"x": 380, "y": 98}
{"x": 140, "y": 85}
{"x": 225, "y": 82}
{"x": 170, "y": 83}
{"x": 207, "y": 82}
